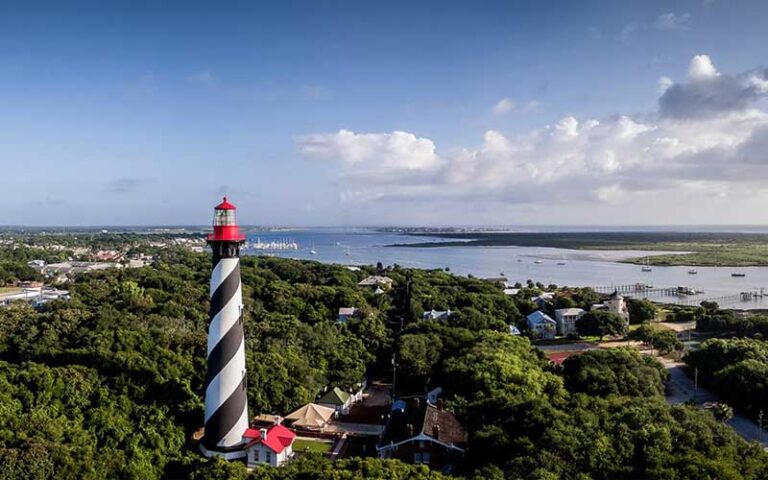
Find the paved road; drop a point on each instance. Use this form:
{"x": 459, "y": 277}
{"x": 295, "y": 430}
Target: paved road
{"x": 681, "y": 389}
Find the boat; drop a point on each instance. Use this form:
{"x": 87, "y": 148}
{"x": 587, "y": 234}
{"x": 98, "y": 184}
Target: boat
{"x": 738, "y": 274}
{"x": 647, "y": 266}
{"x": 561, "y": 263}
{"x": 692, "y": 271}
{"x": 313, "y": 251}
{"x": 539, "y": 261}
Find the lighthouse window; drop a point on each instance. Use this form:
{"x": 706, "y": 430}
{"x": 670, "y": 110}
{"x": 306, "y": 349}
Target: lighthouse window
{"x": 223, "y": 218}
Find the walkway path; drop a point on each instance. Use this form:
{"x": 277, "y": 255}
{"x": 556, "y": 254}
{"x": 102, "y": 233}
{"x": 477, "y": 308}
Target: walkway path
{"x": 337, "y": 447}
{"x": 681, "y": 389}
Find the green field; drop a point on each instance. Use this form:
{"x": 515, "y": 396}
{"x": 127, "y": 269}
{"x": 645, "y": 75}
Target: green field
{"x": 5, "y": 290}
{"x": 315, "y": 446}
{"x": 697, "y": 248}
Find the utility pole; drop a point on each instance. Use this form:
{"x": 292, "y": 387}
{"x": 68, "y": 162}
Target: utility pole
{"x": 695, "y": 383}
{"x": 394, "y": 377}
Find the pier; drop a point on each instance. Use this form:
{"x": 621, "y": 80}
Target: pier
{"x": 642, "y": 290}
{"x": 685, "y": 296}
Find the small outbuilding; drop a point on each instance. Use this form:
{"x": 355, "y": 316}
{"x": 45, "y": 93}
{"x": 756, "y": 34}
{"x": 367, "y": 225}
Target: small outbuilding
{"x": 269, "y": 446}
{"x": 310, "y": 417}
{"x": 337, "y": 399}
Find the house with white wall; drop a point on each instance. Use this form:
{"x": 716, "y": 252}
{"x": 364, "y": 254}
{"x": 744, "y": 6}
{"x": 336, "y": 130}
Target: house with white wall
{"x": 566, "y": 320}
{"x": 269, "y": 446}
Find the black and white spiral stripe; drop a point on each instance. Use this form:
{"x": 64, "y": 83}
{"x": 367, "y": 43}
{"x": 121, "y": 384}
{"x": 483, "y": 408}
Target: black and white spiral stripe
{"x": 226, "y": 408}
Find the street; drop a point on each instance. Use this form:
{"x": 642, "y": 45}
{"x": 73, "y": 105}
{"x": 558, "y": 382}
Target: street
{"x": 681, "y": 389}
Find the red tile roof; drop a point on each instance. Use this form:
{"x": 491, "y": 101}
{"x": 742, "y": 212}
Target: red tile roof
{"x": 278, "y": 437}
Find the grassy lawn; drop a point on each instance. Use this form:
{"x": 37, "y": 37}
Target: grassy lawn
{"x": 316, "y": 446}
{"x": 4, "y": 290}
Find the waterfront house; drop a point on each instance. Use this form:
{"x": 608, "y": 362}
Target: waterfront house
{"x": 541, "y": 325}
{"x": 437, "y": 315}
{"x": 422, "y": 433}
{"x": 269, "y": 446}
{"x": 566, "y": 320}
{"x": 615, "y": 303}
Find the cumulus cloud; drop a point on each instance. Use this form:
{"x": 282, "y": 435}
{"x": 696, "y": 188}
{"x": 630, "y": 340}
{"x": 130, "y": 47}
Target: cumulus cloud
{"x": 702, "y": 68}
{"x": 372, "y": 151}
{"x": 708, "y": 137}
{"x": 708, "y": 92}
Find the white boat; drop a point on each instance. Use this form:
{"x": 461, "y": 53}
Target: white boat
{"x": 313, "y": 251}
{"x": 692, "y": 271}
{"x": 647, "y": 266}
{"x": 539, "y": 261}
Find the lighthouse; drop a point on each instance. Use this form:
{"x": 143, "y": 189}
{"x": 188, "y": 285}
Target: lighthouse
{"x": 226, "y": 404}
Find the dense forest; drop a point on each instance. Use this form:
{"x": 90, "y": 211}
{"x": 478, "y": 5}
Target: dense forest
{"x": 109, "y": 384}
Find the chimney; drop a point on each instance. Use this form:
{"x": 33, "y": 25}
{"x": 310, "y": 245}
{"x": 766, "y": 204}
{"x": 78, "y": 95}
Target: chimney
{"x": 436, "y": 431}
{"x": 263, "y": 434}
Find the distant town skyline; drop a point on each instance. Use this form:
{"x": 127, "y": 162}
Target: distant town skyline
{"x": 395, "y": 113}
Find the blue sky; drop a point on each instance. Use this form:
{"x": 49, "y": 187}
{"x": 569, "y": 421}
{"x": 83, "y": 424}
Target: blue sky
{"x": 145, "y": 113}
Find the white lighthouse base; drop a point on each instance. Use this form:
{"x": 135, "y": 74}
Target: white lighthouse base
{"x": 231, "y": 454}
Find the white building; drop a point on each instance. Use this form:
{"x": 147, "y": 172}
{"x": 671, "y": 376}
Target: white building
{"x": 269, "y": 446}
{"x": 566, "y": 320}
{"x": 614, "y": 304}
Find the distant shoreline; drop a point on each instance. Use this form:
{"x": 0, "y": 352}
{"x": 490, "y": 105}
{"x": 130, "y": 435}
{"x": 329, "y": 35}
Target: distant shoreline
{"x": 701, "y": 248}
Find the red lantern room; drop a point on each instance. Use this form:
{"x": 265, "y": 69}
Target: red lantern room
{"x": 225, "y": 227}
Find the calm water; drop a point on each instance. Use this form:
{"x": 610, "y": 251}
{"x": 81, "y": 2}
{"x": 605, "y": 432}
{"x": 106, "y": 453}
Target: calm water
{"x": 582, "y": 268}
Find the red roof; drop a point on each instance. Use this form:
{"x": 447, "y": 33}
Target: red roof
{"x": 278, "y": 437}
{"x": 225, "y": 205}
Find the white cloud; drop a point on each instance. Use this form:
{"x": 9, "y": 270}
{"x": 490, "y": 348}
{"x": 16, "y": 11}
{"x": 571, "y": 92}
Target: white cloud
{"x": 503, "y": 106}
{"x": 372, "y": 151}
{"x": 672, "y": 22}
{"x": 709, "y": 93}
{"x": 681, "y": 151}
{"x": 702, "y": 68}
{"x": 666, "y": 22}
{"x": 663, "y": 84}
{"x": 507, "y": 105}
